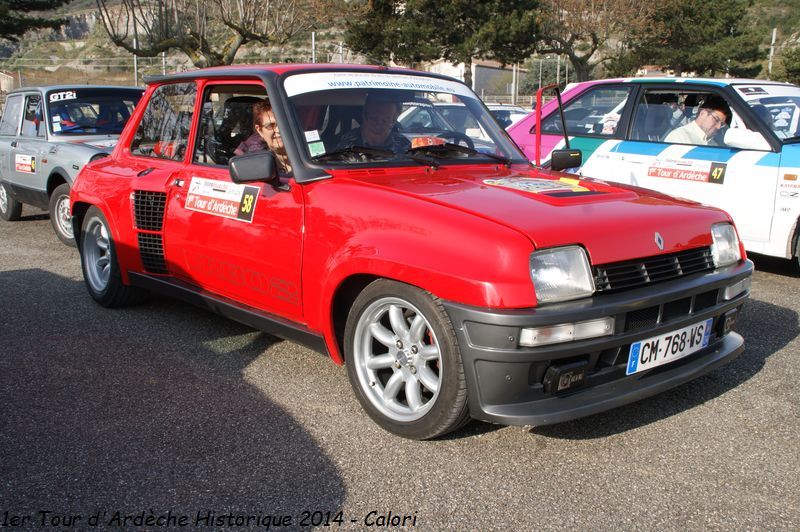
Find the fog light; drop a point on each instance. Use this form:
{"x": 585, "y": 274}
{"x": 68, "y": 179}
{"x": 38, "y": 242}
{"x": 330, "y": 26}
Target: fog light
{"x": 737, "y": 288}
{"x": 728, "y": 320}
{"x": 566, "y": 332}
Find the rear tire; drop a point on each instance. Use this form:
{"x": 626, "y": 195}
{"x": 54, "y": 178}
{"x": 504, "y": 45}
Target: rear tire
{"x": 403, "y": 361}
{"x": 797, "y": 249}
{"x": 10, "y": 209}
{"x": 101, "y": 270}
{"x": 60, "y": 217}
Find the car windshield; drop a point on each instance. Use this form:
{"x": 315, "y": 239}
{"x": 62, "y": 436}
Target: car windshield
{"x": 90, "y": 111}
{"x": 778, "y": 106}
{"x": 378, "y": 118}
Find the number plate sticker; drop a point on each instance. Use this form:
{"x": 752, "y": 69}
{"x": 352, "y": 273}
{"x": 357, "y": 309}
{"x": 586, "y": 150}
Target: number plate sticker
{"x": 660, "y": 350}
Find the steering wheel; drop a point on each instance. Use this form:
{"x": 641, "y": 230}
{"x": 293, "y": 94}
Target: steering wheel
{"x": 458, "y": 138}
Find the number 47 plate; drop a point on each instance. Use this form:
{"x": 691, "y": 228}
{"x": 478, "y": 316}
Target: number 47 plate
{"x": 660, "y": 350}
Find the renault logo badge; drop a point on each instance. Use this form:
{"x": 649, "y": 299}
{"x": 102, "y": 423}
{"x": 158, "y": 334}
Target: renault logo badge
{"x": 659, "y": 241}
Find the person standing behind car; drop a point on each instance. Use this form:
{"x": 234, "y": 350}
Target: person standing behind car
{"x": 266, "y": 136}
{"x": 714, "y": 114}
{"x": 378, "y": 127}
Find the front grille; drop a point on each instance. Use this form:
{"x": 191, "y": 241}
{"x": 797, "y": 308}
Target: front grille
{"x": 651, "y": 317}
{"x": 635, "y": 273}
{"x": 151, "y": 250}
{"x": 148, "y": 209}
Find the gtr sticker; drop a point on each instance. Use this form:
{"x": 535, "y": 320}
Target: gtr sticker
{"x": 64, "y": 95}
{"x": 219, "y": 198}
{"x": 25, "y": 163}
{"x": 688, "y": 170}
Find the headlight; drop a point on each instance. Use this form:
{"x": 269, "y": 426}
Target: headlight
{"x": 725, "y": 249}
{"x": 561, "y": 274}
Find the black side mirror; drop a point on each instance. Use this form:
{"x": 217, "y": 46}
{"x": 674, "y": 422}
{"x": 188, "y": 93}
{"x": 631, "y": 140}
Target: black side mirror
{"x": 254, "y": 166}
{"x": 563, "y": 159}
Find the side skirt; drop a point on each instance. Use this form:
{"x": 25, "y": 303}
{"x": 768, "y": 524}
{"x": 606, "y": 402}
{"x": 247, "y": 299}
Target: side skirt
{"x": 249, "y": 316}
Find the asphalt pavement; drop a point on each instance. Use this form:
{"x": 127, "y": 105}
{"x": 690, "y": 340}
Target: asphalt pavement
{"x": 162, "y": 416}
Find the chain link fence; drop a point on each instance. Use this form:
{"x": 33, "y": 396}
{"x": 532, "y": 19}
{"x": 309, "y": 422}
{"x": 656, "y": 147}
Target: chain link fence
{"x": 130, "y": 70}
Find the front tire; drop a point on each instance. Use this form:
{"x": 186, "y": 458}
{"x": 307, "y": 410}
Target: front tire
{"x": 404, "y": 363}
{"x": 99, "y": 263}
{"x": 60, "y": 217}
{"x": 10, "y": 209}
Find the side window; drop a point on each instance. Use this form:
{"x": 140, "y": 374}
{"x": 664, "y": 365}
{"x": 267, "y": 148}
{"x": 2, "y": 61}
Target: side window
{"x": 659, "y": 112}
{"x": 227, "y": 125}
{"x": 166, "y": 122}
{"x": 11, "y": 115}
{"x": 596, "y": 112}
{"x": 32, "y": 125}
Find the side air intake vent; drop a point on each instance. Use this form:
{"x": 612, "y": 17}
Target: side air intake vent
{"x": 151, "y": 249}
{"x": 148, "y": 209}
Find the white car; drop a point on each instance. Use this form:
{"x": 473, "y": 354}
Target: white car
{"x": 507, "y": 115}
{"x": 749, "y": 167}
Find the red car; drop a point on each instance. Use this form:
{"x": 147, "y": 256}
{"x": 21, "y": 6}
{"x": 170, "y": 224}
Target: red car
{"x": 452, "y": 278}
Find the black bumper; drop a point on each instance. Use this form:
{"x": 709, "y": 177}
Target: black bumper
{"x": 506, "y": 381}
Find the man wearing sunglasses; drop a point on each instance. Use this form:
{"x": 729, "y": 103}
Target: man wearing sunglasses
{"x": 713, "y": 116}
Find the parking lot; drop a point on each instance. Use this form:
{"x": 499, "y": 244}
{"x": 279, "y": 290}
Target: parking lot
{"x": 164, "y": 412}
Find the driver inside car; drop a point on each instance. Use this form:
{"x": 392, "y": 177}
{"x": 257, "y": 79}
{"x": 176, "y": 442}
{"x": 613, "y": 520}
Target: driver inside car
{"x": 378, "y": 126}
{"x": 266, "y": 136}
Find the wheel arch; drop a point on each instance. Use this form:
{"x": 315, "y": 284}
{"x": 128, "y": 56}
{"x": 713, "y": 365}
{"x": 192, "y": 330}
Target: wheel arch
{"x": 342, "y": 301}
{"x": 58, "y": 176}
{"x": 79, "y": 210}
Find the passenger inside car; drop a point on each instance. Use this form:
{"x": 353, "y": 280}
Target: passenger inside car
{"x": 266, "y": 136}
{"x": 714, "y": 115}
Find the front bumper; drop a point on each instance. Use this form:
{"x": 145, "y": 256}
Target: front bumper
{"x": 506, "y": 381}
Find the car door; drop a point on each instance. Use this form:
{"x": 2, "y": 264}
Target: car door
{"x": 29, "y": 149}
{"x": 719, "y": 174}
{"x": 240, "y": 241}
{"x": 9, "y": 128}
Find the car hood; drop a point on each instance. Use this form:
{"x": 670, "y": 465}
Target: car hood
{"x": 613, "y": 222}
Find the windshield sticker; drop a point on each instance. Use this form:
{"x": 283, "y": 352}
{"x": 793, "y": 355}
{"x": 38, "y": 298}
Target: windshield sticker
{"x": 25, "y": 163}
{"x": 316, "y": 148}
{"x": 538, "y": 186}
{"x": 761, "y": 93}
{"x": 312, "y": 136}
{"x": 56, "y": 126}
{"x": 321, "y": 81}
{"x": 220, "y": 198}
{"x": 751, "y": 91}
{"x": 688, "y": 170}
{"x": 61, "y": 96}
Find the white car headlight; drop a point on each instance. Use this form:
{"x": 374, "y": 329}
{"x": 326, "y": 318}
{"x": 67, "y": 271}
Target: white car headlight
{"x": 561, "y": 274}
{"x": 725, "y": 249}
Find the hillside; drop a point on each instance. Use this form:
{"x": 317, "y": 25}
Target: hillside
{"x": 82, "y": 49}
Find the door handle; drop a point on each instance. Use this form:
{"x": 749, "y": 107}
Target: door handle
{"x": 145, "y": 172}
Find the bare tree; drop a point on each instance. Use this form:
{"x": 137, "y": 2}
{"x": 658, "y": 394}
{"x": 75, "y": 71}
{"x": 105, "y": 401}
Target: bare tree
{"x": 209, "y": 32}
{"x": 590, "y": 32}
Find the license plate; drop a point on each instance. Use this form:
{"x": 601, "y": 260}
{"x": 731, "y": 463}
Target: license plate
{"x": 660, "y": 350}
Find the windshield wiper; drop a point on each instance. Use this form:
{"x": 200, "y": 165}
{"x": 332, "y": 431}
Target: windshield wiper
{"x": 440, "y": 150}
{"x": 361, "y": 152}
{"x": 355, "y": 151}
